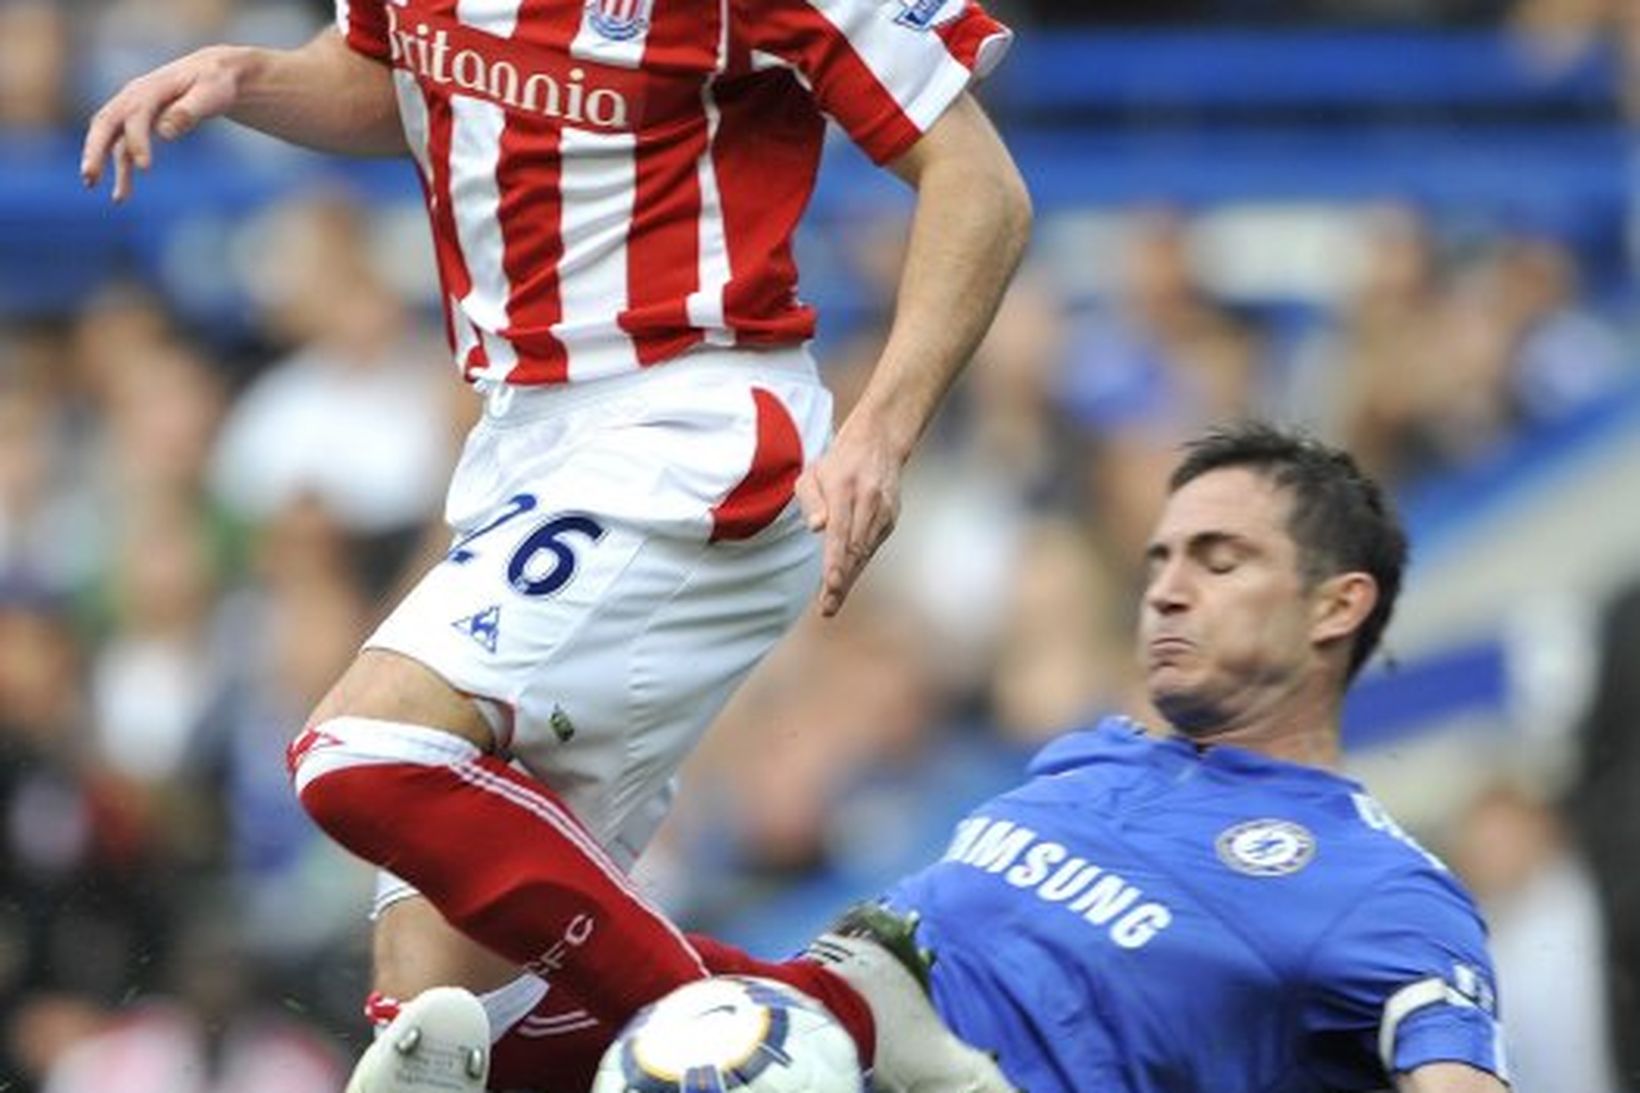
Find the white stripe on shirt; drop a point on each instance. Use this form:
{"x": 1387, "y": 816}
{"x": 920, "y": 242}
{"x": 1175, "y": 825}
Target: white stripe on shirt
{"x": 599, "y": 188}
{"x": 475, "y": 202}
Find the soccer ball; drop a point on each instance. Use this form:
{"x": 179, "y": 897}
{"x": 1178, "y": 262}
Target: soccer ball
{"x": 731, "y": 1033}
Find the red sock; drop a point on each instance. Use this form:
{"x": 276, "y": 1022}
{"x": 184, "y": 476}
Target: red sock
{"x": 505, "y": 862}
{"x": 557, "y": 1045}
{"x": 826, "y": 987}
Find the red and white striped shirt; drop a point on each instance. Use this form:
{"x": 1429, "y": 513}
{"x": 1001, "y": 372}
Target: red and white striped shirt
{"x": 614, "y": 181}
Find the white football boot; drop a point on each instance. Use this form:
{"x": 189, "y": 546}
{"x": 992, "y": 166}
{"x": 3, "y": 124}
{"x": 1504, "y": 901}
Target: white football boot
{"x": 875, "y": 951}
{"x": 439, "y": 1043}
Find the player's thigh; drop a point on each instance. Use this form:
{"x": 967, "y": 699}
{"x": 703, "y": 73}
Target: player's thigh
{"x": 414, "y": 948}
{"x": 387, "y": 686}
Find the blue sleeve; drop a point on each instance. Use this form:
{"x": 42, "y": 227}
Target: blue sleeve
{"x": 1403, "y": 979}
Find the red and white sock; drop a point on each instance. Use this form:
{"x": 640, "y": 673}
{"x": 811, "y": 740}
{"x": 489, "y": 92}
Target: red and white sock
{"x": 497, "y": 853}
{"x": 539, "y": 1032}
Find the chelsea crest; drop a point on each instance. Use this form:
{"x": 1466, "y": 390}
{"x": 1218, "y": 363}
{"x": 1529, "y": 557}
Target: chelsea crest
{"x": 1266, "y": 848}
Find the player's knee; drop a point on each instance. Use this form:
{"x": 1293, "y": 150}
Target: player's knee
{"x": 385, "y": 687}
{"x": 348, "y": 772}
{"x": 315, "y": 758}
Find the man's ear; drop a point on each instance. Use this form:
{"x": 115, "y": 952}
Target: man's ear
{"x": 1342, "y": 604}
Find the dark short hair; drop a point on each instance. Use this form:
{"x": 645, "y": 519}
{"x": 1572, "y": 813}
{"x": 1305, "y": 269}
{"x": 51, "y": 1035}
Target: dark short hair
{"x": 1341, "y": 519}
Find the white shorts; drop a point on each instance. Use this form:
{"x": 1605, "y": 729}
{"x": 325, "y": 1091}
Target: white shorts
{"x": 626, "y": 550}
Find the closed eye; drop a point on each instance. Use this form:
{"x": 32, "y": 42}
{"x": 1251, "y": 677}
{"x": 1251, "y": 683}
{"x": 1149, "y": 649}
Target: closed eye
{"x": 1221, "y": 553}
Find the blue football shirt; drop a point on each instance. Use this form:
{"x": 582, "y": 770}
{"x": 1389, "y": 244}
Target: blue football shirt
{"x": 1143, "y": 916}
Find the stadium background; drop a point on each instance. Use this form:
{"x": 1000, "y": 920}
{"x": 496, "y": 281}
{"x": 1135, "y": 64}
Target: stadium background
{"x": 225, "y": 422}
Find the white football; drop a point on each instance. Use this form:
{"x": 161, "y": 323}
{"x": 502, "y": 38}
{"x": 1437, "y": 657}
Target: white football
{"x": 731, "y": 1033}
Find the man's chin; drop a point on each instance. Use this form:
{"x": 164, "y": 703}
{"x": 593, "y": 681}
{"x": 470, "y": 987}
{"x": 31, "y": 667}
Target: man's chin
{"x": 1185, "y": 710}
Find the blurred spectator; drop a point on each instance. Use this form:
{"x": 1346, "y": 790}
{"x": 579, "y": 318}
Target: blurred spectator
{"x": 361, "y": 370}
{"x": 1564, "y": 32}
{"x": 211, "y": 1034}
{"x": 133, "y": 414}
{"x": 1164, "y": 357}
{"x": 35, "y": 521}
{"x": 120, "y": 321}
{"x": 33, "y": 65}
{"x": 1005, "y": 415}
{"x": 163, "y": 405}
{"x": 45, "y": 1027}
{"x": 1435, "y": 365}
{"x": 289, "y": 633}
{"x": 155, "y": 675}
{"x": 1514, "y": 353}
{"x": 157, "y": 1046}
{"x": 1546, "y": 937}
{"x": 1563, "y": 357}
{"x": 85, "y": 884}
{"x": 1371, "y": 379}
{"x": 1065, "y": 656}
{"x": 1159, "y": 361}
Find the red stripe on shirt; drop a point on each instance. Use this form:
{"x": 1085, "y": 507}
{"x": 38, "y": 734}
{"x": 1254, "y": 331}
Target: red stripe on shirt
{"x": 845, "y": 86}
{"x": 452, "y": 267}
{"x": 682, "y": 37}
{"x": 663, "y": 255}
{"x": 528, "y": 175}
{"x": 366, "y": 30}
{"x": 767, "y": 488}
{"x": 765, "y": 184}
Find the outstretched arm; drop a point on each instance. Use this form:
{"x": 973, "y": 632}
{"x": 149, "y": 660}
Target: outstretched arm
{"x": 323, "y": 95}
{"x": 1448, "y": 1078}
{"x": 971, "y": 223}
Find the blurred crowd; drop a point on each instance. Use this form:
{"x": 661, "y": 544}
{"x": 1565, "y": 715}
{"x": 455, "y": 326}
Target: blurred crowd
{"x": 190, "y": 551}
{"x": 196, "y": 533}
{"x": 59, "y": 58}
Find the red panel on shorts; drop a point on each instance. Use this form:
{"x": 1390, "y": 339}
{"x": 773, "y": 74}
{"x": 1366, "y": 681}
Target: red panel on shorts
{"x": 767, "y": 488}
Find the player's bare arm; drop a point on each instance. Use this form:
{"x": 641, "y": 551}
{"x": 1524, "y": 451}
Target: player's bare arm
{"x": 971, "y": 224}
{"x": 1448, "y": 1078}
{"x": 322, "y": 95}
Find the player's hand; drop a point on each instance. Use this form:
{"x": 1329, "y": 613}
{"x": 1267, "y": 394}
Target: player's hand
{"x": 169, "y": 102}
{"x": 852, "y": 496}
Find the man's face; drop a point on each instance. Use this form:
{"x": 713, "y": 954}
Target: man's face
{"x": 1226, "y": 625}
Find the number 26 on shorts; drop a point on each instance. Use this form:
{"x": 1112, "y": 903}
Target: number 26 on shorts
{"x": 545, "y": 560}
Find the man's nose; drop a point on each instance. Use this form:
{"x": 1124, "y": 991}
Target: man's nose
{"x": 1168, "y": 592}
